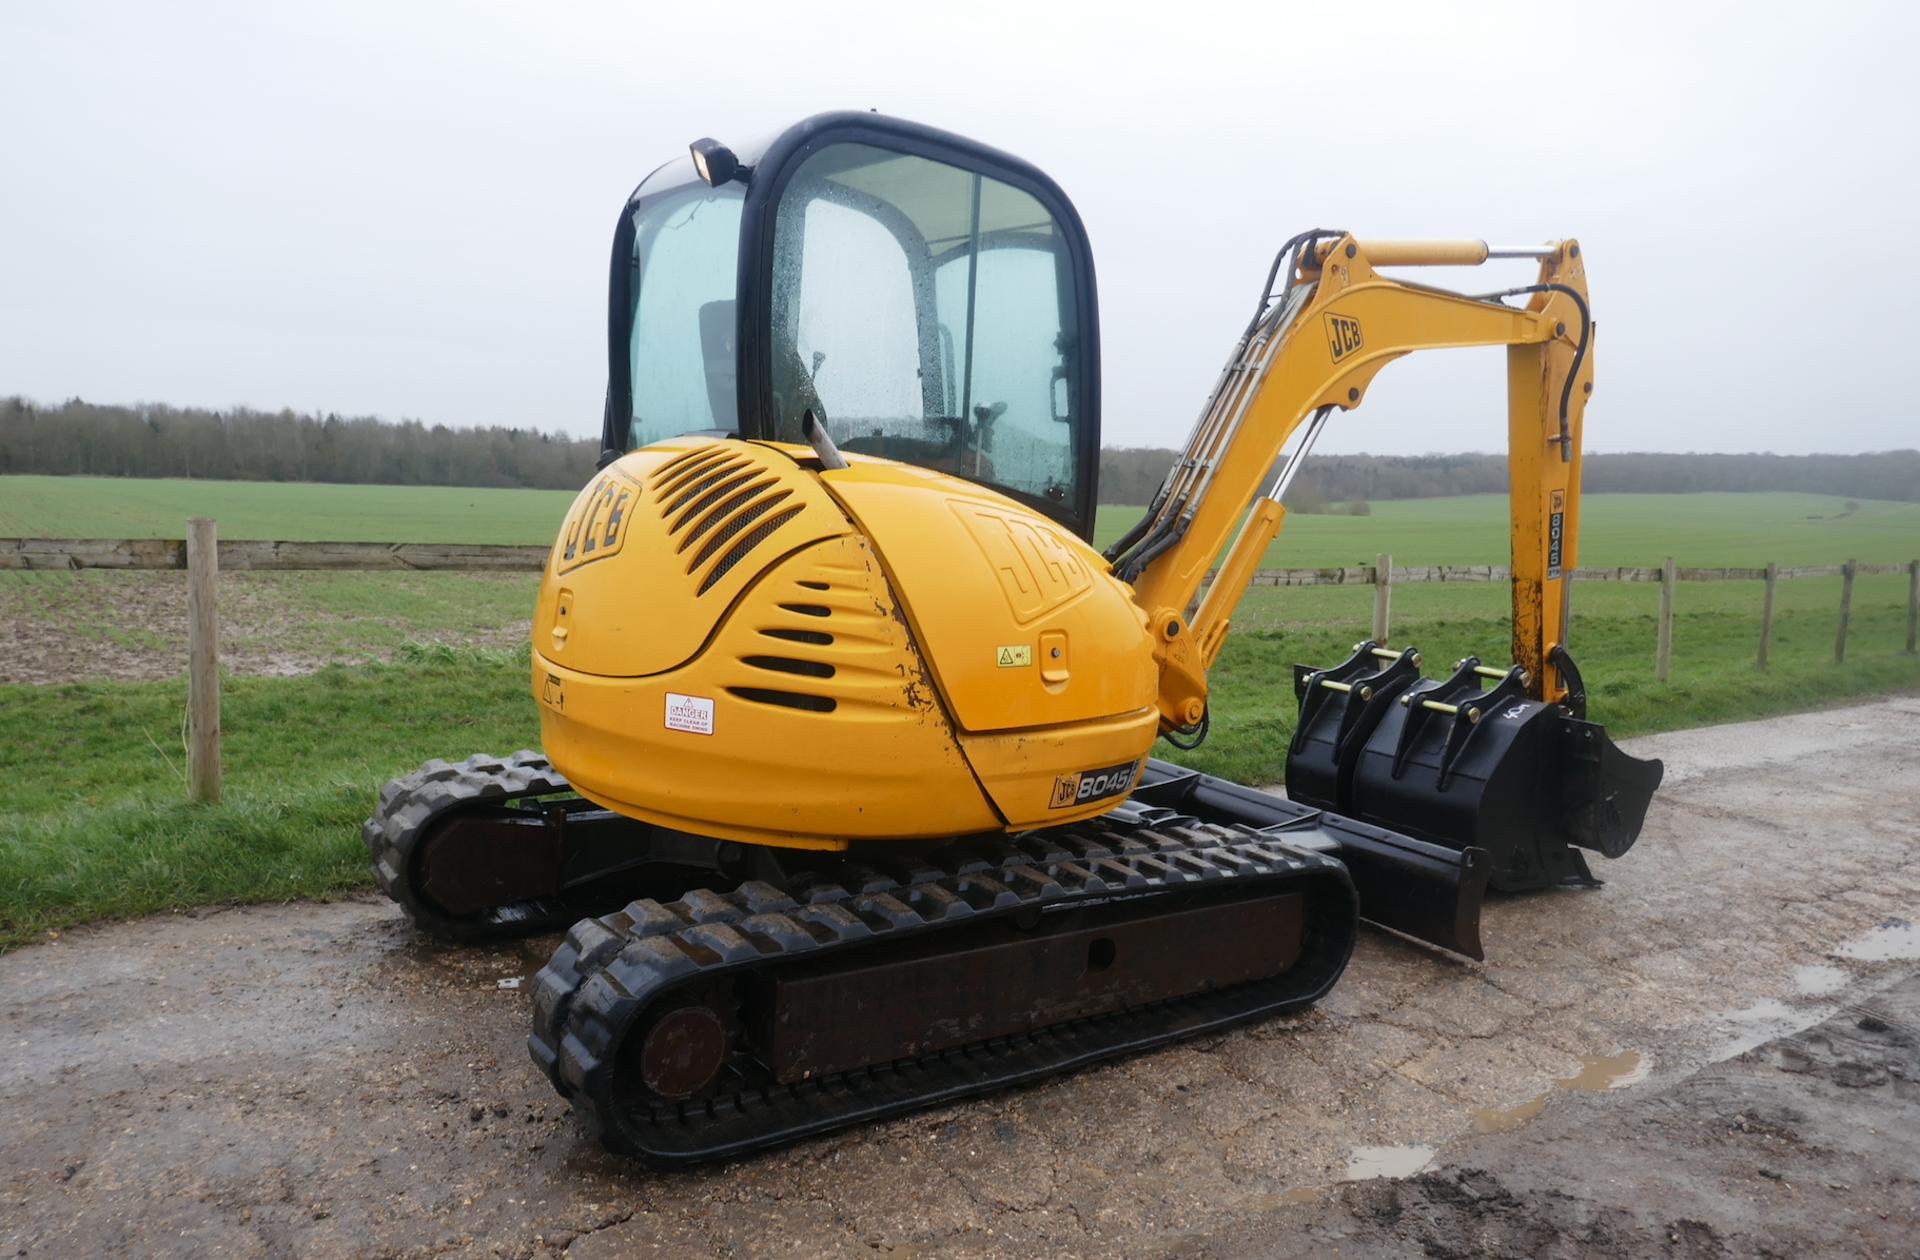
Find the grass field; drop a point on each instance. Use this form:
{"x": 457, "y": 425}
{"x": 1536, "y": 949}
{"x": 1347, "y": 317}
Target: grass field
{"x": 1616, "y": 530}
{"x": 1613, "y": 636}
{"x": 93, "y": 822}
{"x": 96, "y": 822}
{"x": 1698, "y": 530}
{"x": 124, "y": 507}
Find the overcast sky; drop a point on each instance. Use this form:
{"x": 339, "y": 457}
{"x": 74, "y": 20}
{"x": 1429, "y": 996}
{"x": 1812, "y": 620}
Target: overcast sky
{"x": 404, "y": 209}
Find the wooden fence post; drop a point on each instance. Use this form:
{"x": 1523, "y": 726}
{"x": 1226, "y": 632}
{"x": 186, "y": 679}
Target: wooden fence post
{"x": 1382, "y": 595}
{"x": 203, "y": 662}
{"x": 1913, "y": 602}
{"x": 1663, "y": 656}
{"x": 1846, "y": 611}
{"x": 1766, "y": 613}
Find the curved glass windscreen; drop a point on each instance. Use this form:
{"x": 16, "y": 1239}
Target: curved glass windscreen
{"x": 686, "y": 256}
{"x": 926, "y": 313}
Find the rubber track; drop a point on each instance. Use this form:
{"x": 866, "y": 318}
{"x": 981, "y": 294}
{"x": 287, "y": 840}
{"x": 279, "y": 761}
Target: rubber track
{"x": 411, "y": 803}
{"x": 608, "y": 970}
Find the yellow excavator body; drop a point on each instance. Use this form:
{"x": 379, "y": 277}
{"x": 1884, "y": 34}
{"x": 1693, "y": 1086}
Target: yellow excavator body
{"x": 722, "y": 645}
{"x": 846, "y": 784}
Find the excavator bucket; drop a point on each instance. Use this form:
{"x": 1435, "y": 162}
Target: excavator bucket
{"x": 1442, "y": 761}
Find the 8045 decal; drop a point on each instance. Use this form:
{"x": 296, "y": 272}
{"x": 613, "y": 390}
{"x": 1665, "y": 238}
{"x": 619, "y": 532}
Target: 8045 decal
{"x": 1083, "y": 786}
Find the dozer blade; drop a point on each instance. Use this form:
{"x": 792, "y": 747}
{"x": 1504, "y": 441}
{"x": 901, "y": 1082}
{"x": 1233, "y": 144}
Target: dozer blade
{"x": 717, "y": 1024}
{"x": 1428, "y": 891}
{"x": 1444, "y": 762}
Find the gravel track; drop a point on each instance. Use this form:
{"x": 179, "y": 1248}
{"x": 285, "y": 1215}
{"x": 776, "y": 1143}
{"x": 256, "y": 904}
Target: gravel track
{"x": 316, "y": 1080}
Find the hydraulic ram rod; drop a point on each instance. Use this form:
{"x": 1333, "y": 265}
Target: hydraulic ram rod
{"x": 1436, "y": 253}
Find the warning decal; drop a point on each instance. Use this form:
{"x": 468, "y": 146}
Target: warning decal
{"x": 1014, "y": 654}
{"x": 693, "y": 714}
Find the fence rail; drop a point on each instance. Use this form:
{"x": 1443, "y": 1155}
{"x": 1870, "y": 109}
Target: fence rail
{"x": 1368, "y": 575}
{"x": 171, "y": 553}
{"x": 203, "y": 555}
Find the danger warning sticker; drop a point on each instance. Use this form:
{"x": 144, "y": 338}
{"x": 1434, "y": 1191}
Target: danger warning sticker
{"x": 1012, "y": 654}
{"x": 693, "y": 714}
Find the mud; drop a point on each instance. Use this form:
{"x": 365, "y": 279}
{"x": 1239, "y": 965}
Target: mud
{"x": 60, "y": 627}
{"x": 315, "y": 1080}
{"x": 1806, "y": 1146}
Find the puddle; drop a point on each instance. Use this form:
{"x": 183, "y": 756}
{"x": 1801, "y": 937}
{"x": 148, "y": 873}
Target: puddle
{"x": 1597, "y": 1072}
{"x": 1762, "y": 1022}
{"x": 1609, "y": 1071}
{"x": 1368, "y": 1162}
{"x": 1488, "y": 1120}
{"x": 1818, "y": 981}
{"x": 1896, "y": 940}
{"x": 1300, "y": 1194}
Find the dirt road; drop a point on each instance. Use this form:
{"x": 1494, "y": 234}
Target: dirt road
{"x": 315, "y": 1080}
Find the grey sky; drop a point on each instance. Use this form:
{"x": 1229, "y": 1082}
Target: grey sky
{"x": 405, "y": 209}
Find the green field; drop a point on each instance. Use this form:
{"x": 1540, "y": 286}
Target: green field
{"x": 1707, "y": 531}
{"x": 1698, "y": 530}
{"x": 94, "y": 823}
{"x": 1613, "y": 634}
{"x": 286, "y": 511}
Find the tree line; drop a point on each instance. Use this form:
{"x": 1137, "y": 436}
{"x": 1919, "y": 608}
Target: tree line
{"x": 1342, "y": 483}
{"x": 81, "y": 438}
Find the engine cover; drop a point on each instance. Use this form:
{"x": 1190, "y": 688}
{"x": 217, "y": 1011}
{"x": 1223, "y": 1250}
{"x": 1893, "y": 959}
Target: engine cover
{"x": 730, "y": 642}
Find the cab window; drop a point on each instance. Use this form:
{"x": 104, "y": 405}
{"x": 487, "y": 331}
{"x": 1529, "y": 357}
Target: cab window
{"x": 924, "y": 313}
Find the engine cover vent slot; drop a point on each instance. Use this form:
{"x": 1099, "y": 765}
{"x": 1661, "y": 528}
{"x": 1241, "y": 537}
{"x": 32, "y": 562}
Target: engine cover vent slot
{"x": 815, "y": 637}
{"x": 809, "y": 610}
{"x": 697, "y": 481}
{"x": 731, "y": 491}
{"x": 684, "y": 462}
{"x": 753, "y": 539}
{"x": 789, "y": 665}
{"x": 785, "y": 699}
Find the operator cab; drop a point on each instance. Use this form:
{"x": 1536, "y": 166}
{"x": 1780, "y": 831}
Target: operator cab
{"x": 931, "y": 300}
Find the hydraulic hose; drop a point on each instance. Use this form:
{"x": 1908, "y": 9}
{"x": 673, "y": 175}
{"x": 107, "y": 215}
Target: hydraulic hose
{"x": 1163, "y": 524}
{"x": 1579, "y": 352}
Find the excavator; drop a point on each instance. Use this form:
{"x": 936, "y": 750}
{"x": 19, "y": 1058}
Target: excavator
{"x": 847, "y": 789}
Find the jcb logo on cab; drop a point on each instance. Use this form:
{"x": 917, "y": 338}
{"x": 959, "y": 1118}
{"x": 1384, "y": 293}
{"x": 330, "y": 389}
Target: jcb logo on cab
{"x": 1343, "y": 336}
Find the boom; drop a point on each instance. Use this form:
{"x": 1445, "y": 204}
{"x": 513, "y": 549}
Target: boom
{"x": 1315, "y": 351}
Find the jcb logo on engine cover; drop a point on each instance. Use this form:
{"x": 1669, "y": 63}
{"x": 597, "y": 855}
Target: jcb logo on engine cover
{"x": 1092, "y": 785}
{"x": 597, "y": 526}
{"x": 1343, "y": 336}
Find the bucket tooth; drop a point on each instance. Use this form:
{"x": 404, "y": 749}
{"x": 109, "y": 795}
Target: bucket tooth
{"x": 1339, "y": 709}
